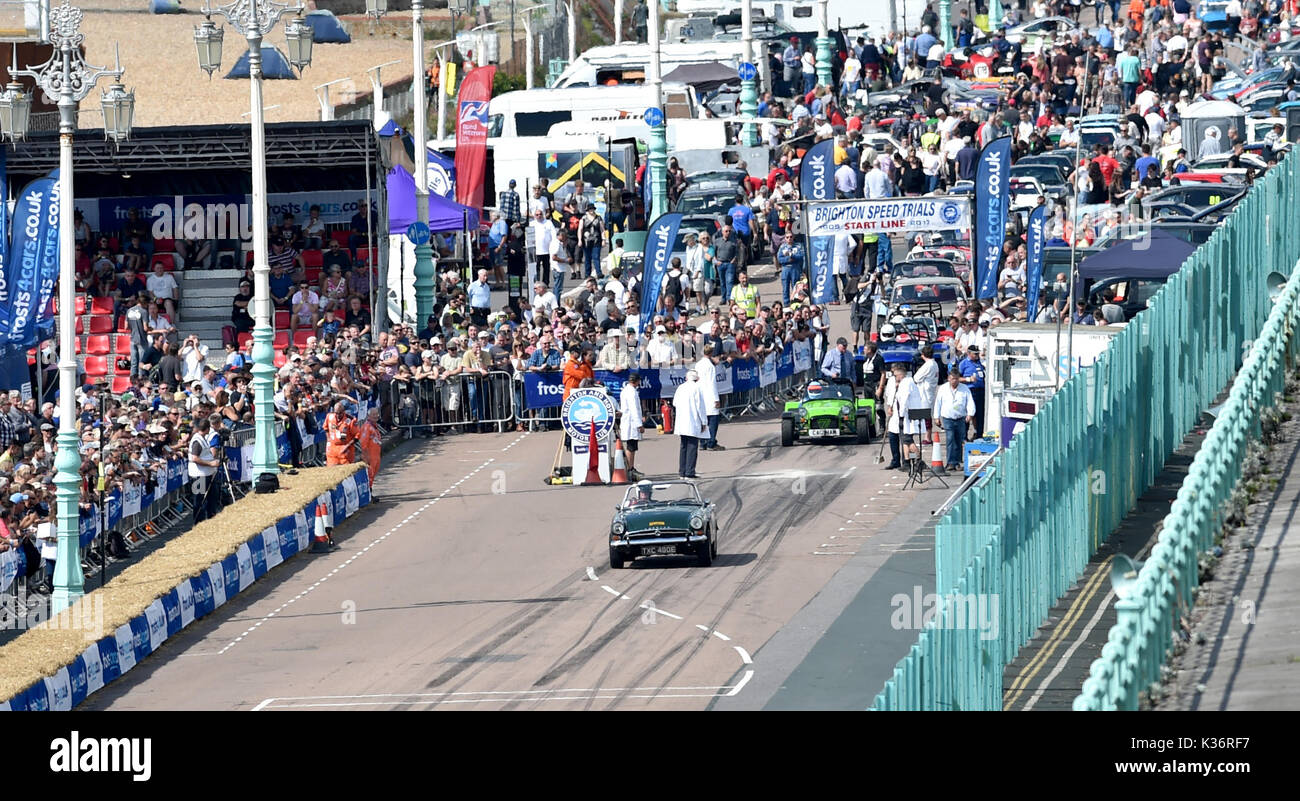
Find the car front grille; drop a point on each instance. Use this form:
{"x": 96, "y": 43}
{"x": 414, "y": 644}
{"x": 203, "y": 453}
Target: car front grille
{"x": 653, "y": 533}
{"x": 824, "y": 422}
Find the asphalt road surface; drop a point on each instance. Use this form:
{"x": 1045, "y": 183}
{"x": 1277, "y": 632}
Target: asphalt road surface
{"x": 472, "y": 585}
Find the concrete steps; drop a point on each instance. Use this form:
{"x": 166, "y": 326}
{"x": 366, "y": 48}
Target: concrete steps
{"x": 205, "y": 304}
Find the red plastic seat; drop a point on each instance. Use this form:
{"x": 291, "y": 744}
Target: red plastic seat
{"x": 164, "y": 246}
{"x": 242, "y": 339}
{"x": 167, "y": 260}
{"x": 101, "y": 306}
{"x": 313, "y": 258}
{"x": 341, "y": 237}
{"x": 281, "y": 359}
{"x": 121, "y": 383}
{"x": 281, "y": 320}
{"x": 281, "y": 340}
{"x": 98, "y": 345}
{"x": 102, "y": 325}
{"x": 300, "y": 336}
{"x": 313, "y": 275}
{"x": 363, "y": 255}
{"x": 80, "y": 328}
{"x": 96, "y": 366}
{"x": 121, "y": 324}
{"x": 76, "y": 346}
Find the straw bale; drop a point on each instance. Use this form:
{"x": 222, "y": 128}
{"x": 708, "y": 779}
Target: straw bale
{"x": 41, "y": 651}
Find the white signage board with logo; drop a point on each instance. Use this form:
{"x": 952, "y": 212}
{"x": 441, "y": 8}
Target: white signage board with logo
{"x": 584, "y": 408}
{"x": 895, "y": 214}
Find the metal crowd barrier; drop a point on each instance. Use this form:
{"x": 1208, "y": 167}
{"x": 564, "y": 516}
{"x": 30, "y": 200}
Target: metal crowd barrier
{"x": 456, "y": 401}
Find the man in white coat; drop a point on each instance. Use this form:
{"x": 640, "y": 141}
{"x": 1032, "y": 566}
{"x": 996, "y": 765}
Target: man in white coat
{"x": 631, "y": 425}
{"x": 708, "y": 370}
{"x": 692, "y": 420}
{"x": 906, "y": 397}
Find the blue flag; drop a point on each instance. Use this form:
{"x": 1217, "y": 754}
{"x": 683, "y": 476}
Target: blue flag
{"x": 992, "y": 200}
{"x": 33, "y": 262}
{"x": 1034, "y": 244}
{"x": 658, "y": 252}
{"x": 816, "y": 182}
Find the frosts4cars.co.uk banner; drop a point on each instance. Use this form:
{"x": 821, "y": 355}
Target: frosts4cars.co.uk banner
{"x": 33, "y": 259}
{"x": 815, "y": 183}
{"x": 658, "y": 252}
{"x": 992, "y": 200}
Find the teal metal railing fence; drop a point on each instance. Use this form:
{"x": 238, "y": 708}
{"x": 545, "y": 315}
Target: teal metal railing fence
{"x": 1068, "y": 479}
{"x": 1139, "y": 644}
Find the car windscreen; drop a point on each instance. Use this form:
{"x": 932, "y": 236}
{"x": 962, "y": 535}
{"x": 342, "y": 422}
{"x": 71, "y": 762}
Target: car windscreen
{"x": 705, "y": 204}
{"x": 665, "y": 493}
{"x": 926, "y": 293}
{"x": 1044, "y": 173}
{"x": 825, "y": 390}
{"x": 924, "y": 269}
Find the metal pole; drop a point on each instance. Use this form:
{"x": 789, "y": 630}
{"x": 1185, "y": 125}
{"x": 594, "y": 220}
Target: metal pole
{"x": 573, "y": 32}
{"x": 748, "y": 89}
{"x": 658, "y": 167}
{"x": 823, "y": 46}
{"x": 370, "y": 271}
{"x": 69, "y": 582}
{"x": 528, "y": 51}
{"x": 618, "y": 21}
{"x": 424, "y": 269}
{"x": 265, "y": 457}
{"x": 1074, "y": 244}
{"x": 945, "y": 24}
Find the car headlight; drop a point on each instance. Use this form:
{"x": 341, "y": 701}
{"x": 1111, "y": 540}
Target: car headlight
{"x": 697, "y": 521}
{"x": 618, "y": 528}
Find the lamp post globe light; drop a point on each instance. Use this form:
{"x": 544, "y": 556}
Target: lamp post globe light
{"x": 254, "y": 19}
{"x": 67, "y": 77}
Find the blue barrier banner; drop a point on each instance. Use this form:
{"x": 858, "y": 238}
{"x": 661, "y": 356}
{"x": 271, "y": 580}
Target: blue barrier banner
{"x": 141, "y": 642}
{"x": 283, "y": 449}
{"x": 1034, "y": 244}
{"x": 155, "y": 614}
{"x": 992, "y": 199}
{"x": 175, "y": 475}
{"x": 230, "y": 568}
{"x": 58, "y": 689}
{"x": 785, "y": 362}
{"x": 87, "y": 526}
{"x": 94, "y": 668}
{"x": 77, "y": 681}
{"x": 543, "y": 390}
{"x": 659, "y": 242}
{"x": 257, "y": 556}
{"x": 114, "y": 501}
{"x": 172, "y": 610}
{"x": 202, "y": 586}
{"x": 286, "y": 531}
{"x": 108, "y": 658}
{"x": 744, "y": 376}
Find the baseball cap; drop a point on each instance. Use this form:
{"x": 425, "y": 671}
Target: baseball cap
{"x": 436, "y": 341}
{"x": 661, "y": 330}
{"x": 17, "y": 497}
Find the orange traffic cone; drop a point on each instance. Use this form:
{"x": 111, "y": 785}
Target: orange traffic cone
{"x": 322, "y": 542}
{"x": 619, "y": 476}
{"x": 593, "y": 459}
{"x": 936, "y": 452}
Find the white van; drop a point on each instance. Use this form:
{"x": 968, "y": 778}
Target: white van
{"x": 533, "y": 112}
{"x": 698, "y": 145}
{"x": 627, "y": 63}
{"x": 803, "y": 15}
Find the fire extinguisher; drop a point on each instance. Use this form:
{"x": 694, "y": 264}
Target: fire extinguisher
{"x": 666, "y": 410}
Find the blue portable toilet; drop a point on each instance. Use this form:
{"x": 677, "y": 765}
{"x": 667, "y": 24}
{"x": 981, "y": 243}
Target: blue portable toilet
{"x": 326, "y": 28}
{"x": 165, "y": 6}
{"x": 274, "y": 66}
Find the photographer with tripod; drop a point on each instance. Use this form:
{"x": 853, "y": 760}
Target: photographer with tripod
{"x": 203, "y": 469}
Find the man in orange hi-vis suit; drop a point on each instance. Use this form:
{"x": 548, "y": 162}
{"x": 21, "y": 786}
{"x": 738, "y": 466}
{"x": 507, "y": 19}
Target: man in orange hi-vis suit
{"x": 371, "y": 445}
{"x": 341, "y": 434}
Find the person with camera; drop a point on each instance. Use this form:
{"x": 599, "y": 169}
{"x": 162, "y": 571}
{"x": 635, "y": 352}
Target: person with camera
{"x": 203, "y": 470}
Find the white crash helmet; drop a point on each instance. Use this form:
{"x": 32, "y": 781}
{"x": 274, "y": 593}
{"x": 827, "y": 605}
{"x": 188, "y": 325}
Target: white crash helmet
{"x": 887, "y": 332}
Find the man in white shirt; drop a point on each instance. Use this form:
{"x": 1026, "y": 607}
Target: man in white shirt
{"x": 162, "y": 285}
{"x": 660, "y": 351}
{"x": 544, "y": 301}
{"x": 947, "y": 124}
{"x": 707, "y": 368}
{"x": 690, "y": 423}
{"x": 954, "y": 410}
{"x": 543, "y": 236}
{"x": 846, "y": 180}
{"x": 630, "y": 425}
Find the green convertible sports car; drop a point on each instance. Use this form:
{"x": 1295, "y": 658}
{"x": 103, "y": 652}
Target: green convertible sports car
{"x": 663, "y": 518}
{"x": 828, "y": 410}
